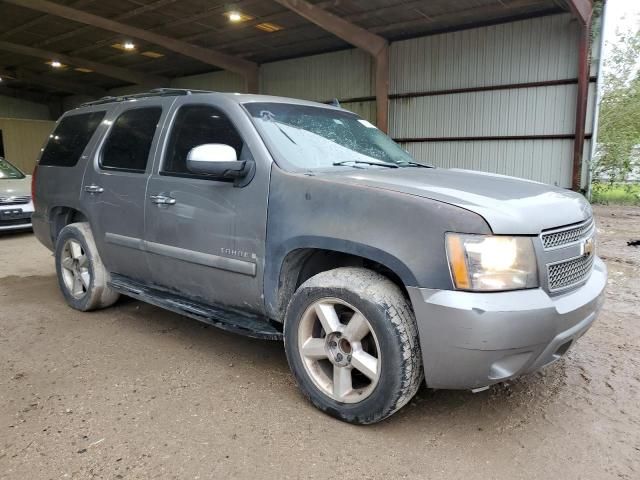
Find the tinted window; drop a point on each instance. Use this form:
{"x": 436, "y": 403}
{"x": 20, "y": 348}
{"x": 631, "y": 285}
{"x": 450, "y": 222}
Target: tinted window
{"x": 129, "y": 142}
{"x": 196, "y": 125}
{"x": 70, "y": 138}
{"x": 9, "y": 171}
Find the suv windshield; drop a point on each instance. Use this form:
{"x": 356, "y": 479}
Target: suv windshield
{"x": 9, "y": 171}
{"x": 309, "y": 138}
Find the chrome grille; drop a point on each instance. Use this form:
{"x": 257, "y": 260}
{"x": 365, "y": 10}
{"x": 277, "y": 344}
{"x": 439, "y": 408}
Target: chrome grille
{"x": 569, "y": 272}
{"x": 566, "y": 235}
{"x": 15, "y": 200}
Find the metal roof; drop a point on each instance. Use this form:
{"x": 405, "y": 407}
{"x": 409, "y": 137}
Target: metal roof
{"x": 205, "y": 23}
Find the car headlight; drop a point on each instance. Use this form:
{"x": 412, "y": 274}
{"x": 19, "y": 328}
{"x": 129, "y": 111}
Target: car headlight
{"x": 491, "y": 263}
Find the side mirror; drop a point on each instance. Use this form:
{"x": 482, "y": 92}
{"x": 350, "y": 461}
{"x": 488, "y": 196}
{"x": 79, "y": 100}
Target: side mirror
{"x": 216, "y": 159}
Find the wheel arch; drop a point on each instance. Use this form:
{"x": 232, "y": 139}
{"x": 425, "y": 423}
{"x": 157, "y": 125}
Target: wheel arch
{"x": 61, "y": 216}
{"x": 299, "y": 260}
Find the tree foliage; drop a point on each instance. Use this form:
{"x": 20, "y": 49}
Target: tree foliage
{"x": 619, "y": 127}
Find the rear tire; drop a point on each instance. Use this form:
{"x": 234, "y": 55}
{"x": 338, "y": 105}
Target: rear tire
{"x": 82, "y": 277}
{"x": 352, "y": 343}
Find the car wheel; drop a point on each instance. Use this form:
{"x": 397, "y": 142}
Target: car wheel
{"x": 82, "y": 276}
{"x": 352, "y": 343}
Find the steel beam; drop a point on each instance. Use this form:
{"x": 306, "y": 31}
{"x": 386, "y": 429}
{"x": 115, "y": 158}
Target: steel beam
{"x": 124, "y": 16}
{"x": 124, "y": 74}
{"x": 31, "y": 78}
{"x": 38, "y": 20}
{"x": 582, "y": 10}
{"x": 247, "y": 69}
{"x": 375, "y": 45}
{"x": 24, "y": 76}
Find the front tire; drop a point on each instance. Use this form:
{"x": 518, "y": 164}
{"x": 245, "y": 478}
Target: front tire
{"x": 352, "y": 344}
{"x": 82, "y": 277}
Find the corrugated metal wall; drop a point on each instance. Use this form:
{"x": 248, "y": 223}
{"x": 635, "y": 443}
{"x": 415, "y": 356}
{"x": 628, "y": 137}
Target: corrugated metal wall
{"x": 344, "y": 75}
{"x": 16, "y": 108}
{"x": 451, "y": 129}
{"x": 500, "y": 59}
{"x": 23, "y": 140}
{"x": 526, "y": 69}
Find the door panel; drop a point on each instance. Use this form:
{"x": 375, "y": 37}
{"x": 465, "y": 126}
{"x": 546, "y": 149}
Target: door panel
{"x": 208, "y": 243}
{"x": 114, "y": 186}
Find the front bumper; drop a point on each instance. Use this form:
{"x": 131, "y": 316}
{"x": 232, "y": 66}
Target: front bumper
{"x": 15, "y": 217}
{"x": 471, "y": 340}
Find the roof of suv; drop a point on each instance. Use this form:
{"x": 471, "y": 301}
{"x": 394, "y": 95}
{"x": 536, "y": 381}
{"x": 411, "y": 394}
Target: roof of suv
{"x": 176, "y": 92}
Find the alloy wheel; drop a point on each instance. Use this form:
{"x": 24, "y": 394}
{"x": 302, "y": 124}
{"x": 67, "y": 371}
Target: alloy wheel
{"x": 339, "y": 350}
{"x": 75, "y": 269}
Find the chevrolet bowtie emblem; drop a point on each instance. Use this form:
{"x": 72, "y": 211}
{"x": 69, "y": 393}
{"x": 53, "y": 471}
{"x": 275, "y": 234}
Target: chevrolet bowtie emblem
{"x": 588, "y": 247}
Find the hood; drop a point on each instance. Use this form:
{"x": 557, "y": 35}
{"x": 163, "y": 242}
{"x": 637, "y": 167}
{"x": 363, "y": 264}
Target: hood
{"x": 510, "y": 205}
{"x": 18, "y": 187}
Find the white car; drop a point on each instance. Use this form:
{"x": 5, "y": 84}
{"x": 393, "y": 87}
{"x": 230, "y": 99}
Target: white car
{"x": 16, "y": 205}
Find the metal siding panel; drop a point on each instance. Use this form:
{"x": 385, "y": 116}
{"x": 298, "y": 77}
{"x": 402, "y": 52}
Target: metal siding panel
{"x": 222, "y": 81}
{"x": 526, "y": 51}
{"x": 539, "y": 160}
{"x": 16, "y": 108}
{"x": 530, "y": 111}
{"x": 533, "y": 50}
{"x": 366, "y": 110}
{"x": 23, "y": 140}
{"x": 343, "y": 74}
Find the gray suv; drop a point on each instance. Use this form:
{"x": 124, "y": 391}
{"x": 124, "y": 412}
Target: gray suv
{"x": 291, "y": 220}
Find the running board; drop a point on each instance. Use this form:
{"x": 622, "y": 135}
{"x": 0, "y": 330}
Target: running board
{"x": 226, "y": 318}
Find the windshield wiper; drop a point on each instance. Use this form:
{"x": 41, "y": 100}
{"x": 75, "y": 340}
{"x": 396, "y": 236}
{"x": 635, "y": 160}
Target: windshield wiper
{"x": 415, "y": 164}
{"x": 366, "y": 162}
{"x": 270, "y": 117}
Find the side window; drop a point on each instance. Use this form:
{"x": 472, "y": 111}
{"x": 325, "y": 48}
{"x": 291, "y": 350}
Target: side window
{"x": 196, "y": 125}
{"x": 129, "y": 142}
{"x": 70, "y": 138}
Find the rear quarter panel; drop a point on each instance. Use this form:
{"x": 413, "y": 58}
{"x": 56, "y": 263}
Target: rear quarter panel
{"x": 60, "y": 186}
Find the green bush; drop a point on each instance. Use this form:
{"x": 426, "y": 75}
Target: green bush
{"x": 616, "y": 193}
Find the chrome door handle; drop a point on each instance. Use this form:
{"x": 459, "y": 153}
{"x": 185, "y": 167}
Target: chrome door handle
{"x": 93, "y": 189}
{"x": 162, "y": 200}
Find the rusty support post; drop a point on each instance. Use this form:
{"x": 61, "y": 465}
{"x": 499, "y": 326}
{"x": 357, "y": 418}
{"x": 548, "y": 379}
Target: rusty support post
{"x": 582, "y": 10}
{"x": 252, "y": 81}
{"x": 382, "y": 89}
{"x": 581, "y": 106}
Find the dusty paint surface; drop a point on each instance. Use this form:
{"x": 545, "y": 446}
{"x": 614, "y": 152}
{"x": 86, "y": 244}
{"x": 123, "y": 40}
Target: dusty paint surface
{"x": 137, "y": 392}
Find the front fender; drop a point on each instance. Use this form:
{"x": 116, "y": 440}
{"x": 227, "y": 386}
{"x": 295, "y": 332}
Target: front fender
{"x": 403, "y": 232}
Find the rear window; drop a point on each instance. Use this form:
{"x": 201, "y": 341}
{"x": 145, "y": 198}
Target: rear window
{"x": 129, "y": 142}
{"x": 70, "y": 138}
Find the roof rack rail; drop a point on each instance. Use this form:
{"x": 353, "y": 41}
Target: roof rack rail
{"x": 156, "y": 92}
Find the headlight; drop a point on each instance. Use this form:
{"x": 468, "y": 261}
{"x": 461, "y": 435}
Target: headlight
{"x": 491, "y": 263}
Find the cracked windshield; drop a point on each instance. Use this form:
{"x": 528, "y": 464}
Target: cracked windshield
{"x": 309, "y": 138}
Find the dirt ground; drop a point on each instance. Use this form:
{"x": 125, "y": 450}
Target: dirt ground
{"x": 137, "y": 392}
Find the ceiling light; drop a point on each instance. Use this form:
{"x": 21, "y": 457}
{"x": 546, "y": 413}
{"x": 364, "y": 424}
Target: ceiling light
{"x": 125, "y": 46}
{"x": 83, "y": 70}
{"x": 55, "y": 64}
{"x": 151, "y": 54}
{"x": 237, "y": 17}
{"x": 269, "y": 27}
{"x": 234, "y": 16}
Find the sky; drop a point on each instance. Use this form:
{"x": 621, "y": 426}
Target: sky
{"x": 620, "y": 14}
